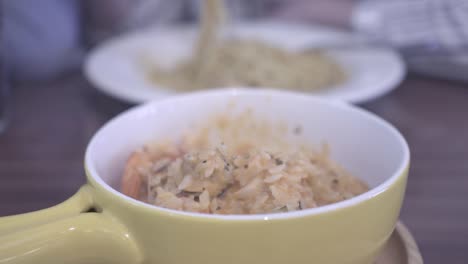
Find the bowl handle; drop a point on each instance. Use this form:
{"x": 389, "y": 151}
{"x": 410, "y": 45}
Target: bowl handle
{"x": 71, "y": 232}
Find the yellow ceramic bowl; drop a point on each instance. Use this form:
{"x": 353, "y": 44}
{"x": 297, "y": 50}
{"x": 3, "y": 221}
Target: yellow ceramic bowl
{"x": 101, "y": 225}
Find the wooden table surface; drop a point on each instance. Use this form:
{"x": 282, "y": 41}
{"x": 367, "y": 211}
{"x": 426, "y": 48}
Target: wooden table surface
{"x": 41, "y": 153}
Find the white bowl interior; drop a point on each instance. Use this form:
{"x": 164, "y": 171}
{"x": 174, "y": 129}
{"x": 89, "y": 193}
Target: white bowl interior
{"x": 362, "y": 143}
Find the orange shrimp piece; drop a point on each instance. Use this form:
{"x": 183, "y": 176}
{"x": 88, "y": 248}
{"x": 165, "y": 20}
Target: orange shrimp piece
{"x": 132, "y": 180}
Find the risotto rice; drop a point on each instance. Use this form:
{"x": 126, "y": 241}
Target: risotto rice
{"x": 237, "y": 176}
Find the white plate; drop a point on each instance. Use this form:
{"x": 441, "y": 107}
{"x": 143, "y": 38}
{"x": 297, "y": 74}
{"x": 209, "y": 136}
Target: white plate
{"x": 116, "y": 69}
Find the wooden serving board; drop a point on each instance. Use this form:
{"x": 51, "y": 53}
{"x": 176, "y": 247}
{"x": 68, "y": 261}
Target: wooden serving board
{"x": 401, "y": 248}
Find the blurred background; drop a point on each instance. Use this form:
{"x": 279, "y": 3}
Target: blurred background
{"x": 48, "y": 110}
{"x": 41, "y": 41}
